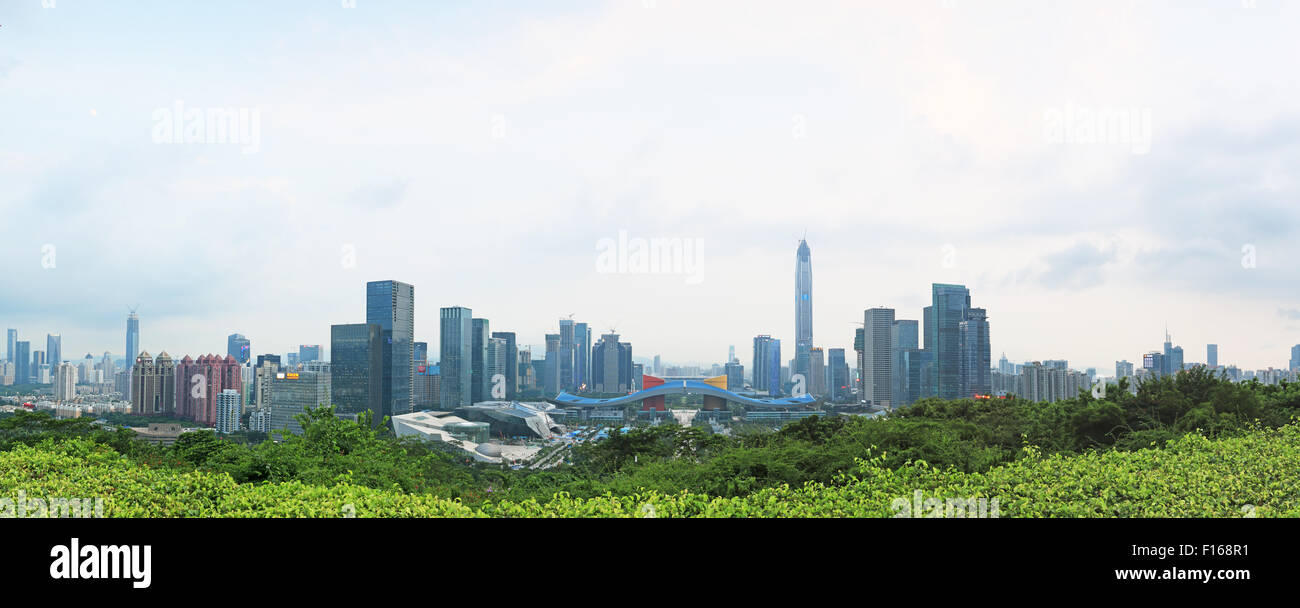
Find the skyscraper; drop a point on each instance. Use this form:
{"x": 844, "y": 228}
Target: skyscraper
{"x": 391, "y": 306}
{"x": 878, "y": 351}
{"x": 906, "y": 335}
{"x": 199, "y": 383}
{"x": 551, "y": 381}
{"x": 23, "y": 362}
{"x": 817, "y": 372}
{"x": 568, "y": 331}
{"x": 976, "y": 362}
{"x": 132, "y": 339}
{"x": 840, "y": 390}
{"x": 480, "y": 378}
{"x": 456, "y": 353}
{"x": 296, "y": 392}
{"x": 611, "y": 365}
{"x": 421, "y": 353}
{"x": 512, "y": 361}
{"x": 308, "y": 353}
{"x": 1295, "y": 358}
{"x": 12, "y": 345}
{"x": 581, "y": 355}
{"x": 803, "y": 329}
{"x": 229, "y": 408}
{"x": 54, "y": 350}
{"x": 153, "y": 385}
{"x": 65, "y": 382}
{"x": 239, "y": 347}
{"x": 767, "y": 365}
{"x": 496, "y": 366}
{"x": 943, "y": 336}
{"x": 356, "y": 369}
{"x": 1212, "y": 355}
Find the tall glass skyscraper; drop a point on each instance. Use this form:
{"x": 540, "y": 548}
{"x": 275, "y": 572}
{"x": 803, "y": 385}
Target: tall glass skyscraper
{"x": 54, "y": 350}
{"x": 581, "y": 355}
{"x": 480, "y": 377}
{"x": 456, "y": 350}
{"x": 767, "y": 365}
{"x": 511, "y": 362}
{"x": 943, "y": 336}
{"x": 238, "y": 346}
{"x": 391, "y": 306}
{"x": 23, "y": 363}
{"x": 878, "y": 356}
{"x": 568, "y": 354}
{"x": 906, "y": 336}
{"x": 803, "y": 334}
{"x": 12, "y": 344}
{"x": 356, "y": 368}
{"x": 976, "y": 367}
{"x": 132, "y": 339}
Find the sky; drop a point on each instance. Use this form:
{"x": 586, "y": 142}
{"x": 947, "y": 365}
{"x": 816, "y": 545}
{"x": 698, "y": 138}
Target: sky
{"x": 1092, "y": 171}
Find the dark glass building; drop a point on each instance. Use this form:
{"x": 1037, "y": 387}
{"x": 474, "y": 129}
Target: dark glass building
{"x": 456, "y": 329}
{"x": 511, "y": 362}
{"x": 239, "y": 347}
{"x": 943, "y": 336}
{"x": 356, "y": 368}
{"x": 391, "y": 306}
{"x": 480, "y": 378}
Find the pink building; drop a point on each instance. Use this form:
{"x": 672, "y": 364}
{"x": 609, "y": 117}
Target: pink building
{"x": 199, "y": 382}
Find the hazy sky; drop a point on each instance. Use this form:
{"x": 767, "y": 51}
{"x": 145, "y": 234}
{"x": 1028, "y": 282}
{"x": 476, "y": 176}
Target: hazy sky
{"x": 483, "y": 150}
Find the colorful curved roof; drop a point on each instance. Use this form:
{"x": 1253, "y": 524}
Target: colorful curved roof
{"x": 709, "y": 386}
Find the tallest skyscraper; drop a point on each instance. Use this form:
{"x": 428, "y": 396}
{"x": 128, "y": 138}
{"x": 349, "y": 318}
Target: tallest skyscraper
{"x": 803, "y": 337}
{"x": 391, "y": 306}
{"x": 132, "y": 339}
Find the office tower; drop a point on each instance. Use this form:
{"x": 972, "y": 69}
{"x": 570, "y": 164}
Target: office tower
{"x": 6, "y": 373}
{"x": 878, "y": 348}
{"x": 527, "y": 380}
{"x": 1005, "y": 367}
{"x": 308, "y": 353}
{"x": 22, "y": 362}
{"x": 1123, "y": 369}
{"x": 110, "y": 368}
{"x": 581, "y": 355}
{"x": 767, "y": 365}
{"x": 1175, "y": 360}
{"x": 297, "y": 392}
{"x": 54, "y": 350}
{"x": 976, "y": 360}
{"x": 840, "y": 388}
{"x": 859, "y": 342}
{"x": 803, "y": 329}
{"x": 917, "y": 376}
{"x": 391, "y": 306}
{"x": 735, "y": 376}
{"x": 906, "y": 335}
{"x": 1153, "y": 363}
{"x": 12, "y": 345}
{"x": 268, "y": 358}
{"x": 611, "y": 365}
{"x": 512, "y": 361}
{"x": 200, "y": 381}
{"x": 456, "y": 354}
{"x": 263, "y": 378}
{"x": 943, "y": 336}
{"x": 428, "y": 386}
{"x": 480, "y": 379}
{"x": 568, "y": 333}
{"x": 291, "y": 361}
{"x": 638, "y": 377}
{"x": 239, "y": 347}
{"x": 1212, "y": 355}
{"x": 421, "y": 353}
{"x": 38, "y": 366}
{"x": 86, "y": 371}
{"x": 659, "y": 367}
{"x": 816, "y": 372}
{"x": 132, "y": 339}
{"x": 229, "y": 409}
{"x": 496, "y": 366}
{"x": 65, "y": 383}
{"x": 153, "y": 385}
{"x": 1295, "y": 358}
{"x": 551, "y": 379}
{"x": 356, "y": 369}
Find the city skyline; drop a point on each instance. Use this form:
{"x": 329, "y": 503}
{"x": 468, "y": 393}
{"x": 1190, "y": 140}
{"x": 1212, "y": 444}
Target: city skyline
{"x": 491, "y": 179}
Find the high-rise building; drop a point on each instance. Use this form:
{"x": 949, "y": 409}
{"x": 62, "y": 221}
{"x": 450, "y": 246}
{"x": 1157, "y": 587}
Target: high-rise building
{"x": 841, "y": 389}
{"x": 200, "y": 381}
{"x": 132, "y": 338}
{"x": 878, "y": 348}
{"x": 356, "y": 369}
{"x": 1123, "y": 369}
{"x": 54, "y": 350}
{"x": 803, "y": 328}
{"x": 859, "y": 344}
{"x": 735, "y": 376}
{"x": 767, "y": 365}
{"x": 611, "y": 365}
{"x": 23, "y": 362}
{"x": 568, "y": 347}
{"x": 308, "y": 353}
{"x": 65, "y": 383}
{"x": 943, "y": 336}
{"x": 428, "y": 386}
{"x": 456, "y": 354}
{"x": 296, "y": 392}
{"x": 659, "y": 366}
{"x": 976, "y": 363}
{"x": 391, "y": 306}
{"x": 480, "y": 377}
{"x": 229, "y": 409}
{"x": 917, "y": 376}
{"x": 551, "y": 380}
{"x": 421, "y": 353}
{"x": 906, "y": 335}
{"x": 497, "y": 358}
{"x": 239, "y": 347}
{"x": 12, "y": 344}
{"x": 512, "y": 361}
{"x": 1212, "y": 355}
{"x": 581, "y": 355}
{"x": 1295, "y": 358}
{"x": 153, "y": 385}
{"x": 816, "y": 372}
